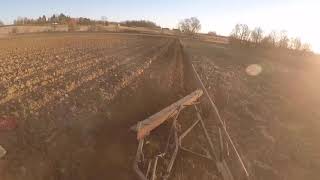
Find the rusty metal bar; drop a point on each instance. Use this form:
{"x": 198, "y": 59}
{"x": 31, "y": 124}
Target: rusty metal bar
{"x": 209, "y": 97}
{"x": 154, "y": 176}
{"x": 148, "y": 169}
{"x": 171, "y": 130}
{"x": 206, "y": 133}
{"x": 222, "y": 122}
{"x": 195, "y": 153}
{"x": 175, "y": 152}
{"x": 188, "y": 130}
{"x": 227, "y": 147}
{"x": 221, "y": 145}
{"x": 137, "y": 160}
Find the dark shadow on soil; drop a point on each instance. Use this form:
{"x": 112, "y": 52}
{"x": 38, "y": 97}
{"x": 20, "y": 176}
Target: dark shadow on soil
{"x": 115, "y": 145}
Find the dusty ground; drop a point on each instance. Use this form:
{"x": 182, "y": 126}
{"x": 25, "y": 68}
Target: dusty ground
{"x": 273, "y": 117}
{"x": 76, "y": 95}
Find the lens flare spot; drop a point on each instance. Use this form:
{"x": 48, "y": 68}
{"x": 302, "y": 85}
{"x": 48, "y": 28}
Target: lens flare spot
{"x": 254, "y": 69}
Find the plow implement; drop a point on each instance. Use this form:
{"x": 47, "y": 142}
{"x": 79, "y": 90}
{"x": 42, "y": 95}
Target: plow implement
{"x": 159, "y": 149}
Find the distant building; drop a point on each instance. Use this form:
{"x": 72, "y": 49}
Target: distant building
{"x": 176, "y": 30}
{"x": 212, "y": 33}
{"x": 157, "y": 28}
{"x": 165, "y": 30}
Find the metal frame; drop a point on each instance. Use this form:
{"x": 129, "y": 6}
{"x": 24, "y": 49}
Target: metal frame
{"x": 177, "y": 147}
{"x": 145, "y": 127}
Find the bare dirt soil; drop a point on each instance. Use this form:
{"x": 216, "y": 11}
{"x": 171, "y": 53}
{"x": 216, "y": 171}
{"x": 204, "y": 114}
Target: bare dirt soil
{"x": 74, "y": 97}
{"x": 273, "y": 116}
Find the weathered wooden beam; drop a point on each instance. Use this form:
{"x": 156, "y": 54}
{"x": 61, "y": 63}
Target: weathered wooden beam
{"x": 3, "y": 152}
{"x": 147, "y": 125}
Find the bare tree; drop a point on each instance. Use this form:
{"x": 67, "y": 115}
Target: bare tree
{"x": 283, "y": 39}
{"x": 267, "y": 42}
{"x": 195, "y": 25}
{"x": 190, "y": 25}
{"x": 104, "y": 20}
{"x": 273, "y": 38}
{"x": 306, "y": 47}
{"x": 296, "y": 43}
{"x": 236, "y": 32}
{"x": 241, "y": 32}
{"x": 244, "y": 33}
{"x": 256, "y": 35}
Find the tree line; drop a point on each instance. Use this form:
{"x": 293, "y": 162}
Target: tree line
{"x": 140, "y": 23}
{"x": 58, "y": 19}
{"x": 243, "y": 35}
{"x": 64, "y": 19}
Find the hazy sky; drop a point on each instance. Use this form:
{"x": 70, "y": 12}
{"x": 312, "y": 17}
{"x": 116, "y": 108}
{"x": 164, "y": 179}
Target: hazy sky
{"x": 300, "y": 18}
